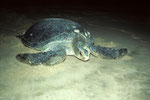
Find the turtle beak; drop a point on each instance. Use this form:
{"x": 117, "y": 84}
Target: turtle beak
{"x": 83, "y": 58}
{"x": 86, "y": 58}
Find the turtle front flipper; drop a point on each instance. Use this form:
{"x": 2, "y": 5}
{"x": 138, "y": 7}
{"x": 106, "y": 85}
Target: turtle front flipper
{"x": 108, "y": 53}
{"x": 49, "y": 58}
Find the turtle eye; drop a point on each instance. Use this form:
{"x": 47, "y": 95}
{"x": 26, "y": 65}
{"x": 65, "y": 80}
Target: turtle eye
{"x": 80, "y": 53}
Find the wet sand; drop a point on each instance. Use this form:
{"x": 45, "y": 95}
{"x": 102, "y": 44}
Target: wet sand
{"x": 127, "y": 78}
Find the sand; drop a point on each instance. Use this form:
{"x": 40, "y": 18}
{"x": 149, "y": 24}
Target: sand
{"x": 127, "y": 78}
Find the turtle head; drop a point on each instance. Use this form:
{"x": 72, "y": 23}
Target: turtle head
{"x": 82, "y": 51}
{"x": 80, "y": 47}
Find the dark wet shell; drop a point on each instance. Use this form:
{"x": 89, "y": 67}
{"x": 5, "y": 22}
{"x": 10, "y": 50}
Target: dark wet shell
{"x": 47, "y": 30}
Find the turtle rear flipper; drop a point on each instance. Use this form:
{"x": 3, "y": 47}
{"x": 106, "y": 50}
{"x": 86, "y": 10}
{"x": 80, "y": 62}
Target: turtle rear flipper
{"x": 49, "y": 58}
{"x": 108, "y": 53}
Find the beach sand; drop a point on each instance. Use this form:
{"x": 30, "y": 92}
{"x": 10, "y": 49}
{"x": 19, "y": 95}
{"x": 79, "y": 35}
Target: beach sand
{"x": 127, "y": 78}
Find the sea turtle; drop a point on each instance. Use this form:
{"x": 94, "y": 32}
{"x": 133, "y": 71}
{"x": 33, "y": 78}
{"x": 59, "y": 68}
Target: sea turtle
{"x": 56, "y": 38}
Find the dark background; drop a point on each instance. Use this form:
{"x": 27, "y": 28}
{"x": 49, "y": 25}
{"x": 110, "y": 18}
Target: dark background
{"x": 139, "y": 11}
{"x": 113, "y": 5}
